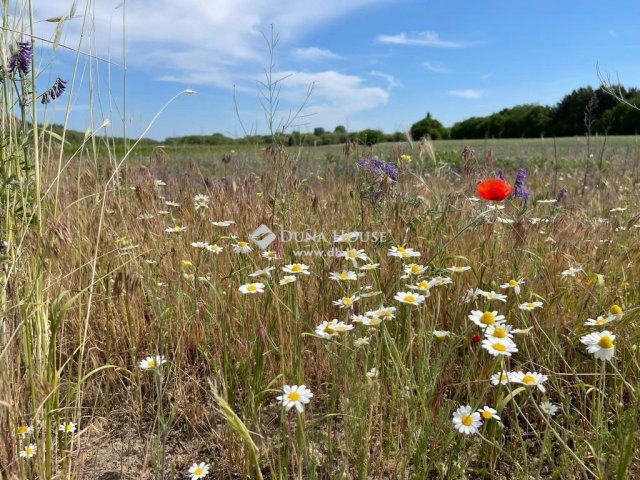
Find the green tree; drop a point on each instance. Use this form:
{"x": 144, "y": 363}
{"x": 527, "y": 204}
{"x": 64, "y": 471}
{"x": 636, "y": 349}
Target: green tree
{"x": 428, "y": 126}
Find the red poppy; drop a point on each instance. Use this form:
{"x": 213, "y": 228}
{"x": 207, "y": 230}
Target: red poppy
{"x": 494, "y": 189}
{"x": 476, "y": 338}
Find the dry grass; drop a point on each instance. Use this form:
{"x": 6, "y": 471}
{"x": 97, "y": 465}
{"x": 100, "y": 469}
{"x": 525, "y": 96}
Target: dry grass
{"x": 144, "y": 300}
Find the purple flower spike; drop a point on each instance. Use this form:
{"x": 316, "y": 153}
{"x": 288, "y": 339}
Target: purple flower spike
{"x": 519, "y": 188}
{"x": 21, "y": 59}
{"x": 55, "y": 91}
{"x": 379, "y": 167}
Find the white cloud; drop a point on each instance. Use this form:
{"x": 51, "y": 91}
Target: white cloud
{"x": 435, "y": 67}
{"x": 336, "y": 97}
{"x": 210, "y": 42}
{"x": 221, "y": 44}
{"x": 468, "y": 93}
{"x": 392, "y": 82}
{"x": 314, "y": 53}
{"x": 421, "y": 39}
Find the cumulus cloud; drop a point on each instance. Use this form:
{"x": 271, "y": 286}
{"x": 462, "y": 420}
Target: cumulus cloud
{"x": 421, "y": 39}
{"x": 221, "y": 44}
{"x": 314, "y": 53}
{"x": 336, "y": 96}
{"x": 468, "y": 93}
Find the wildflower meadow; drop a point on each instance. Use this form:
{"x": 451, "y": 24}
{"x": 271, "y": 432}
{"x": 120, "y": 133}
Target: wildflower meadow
{"x": 407, "y": 310}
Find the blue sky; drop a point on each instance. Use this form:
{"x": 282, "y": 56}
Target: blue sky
{"x": 374, "y": 63}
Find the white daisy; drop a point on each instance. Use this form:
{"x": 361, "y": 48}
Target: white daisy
{"x": 199, "y": 244}
{"x": 152, "y": 362}
{"x": 252, "y": 288}
{"x": 530, "y": 379}
{"x": 515, "y": 284}
{"x": 346, "y": 302}
{"x": 549, "y": 408}
{"x": 198, "y": 470}
{"x": 264, "y": 271}
{"x": 410, "y": 298}
{"x": 414, "y": 269}
{"x": 486, "y": 319}
{"x": 492, "y": 295}
{"x": 287, "y": 279}
{"x": 600, "y": 344}
{"x": 175, "y": 229}
{"x": 242, "y": 247}
{"x": 498, "y": 331}
{"x": 529, "y": 306}
{"x": 223, "y": 223}
{"x": 501, "y": 378}
{"x": 269, "y": 255}
{"x": 214, "y": 248}
{"x": 370, "y": 266}
{"x": 499, "y": 346}
{"x": 466, "y": 421}
{"x": 597, "y": 322}
{"x": 402, "y": 252}
{"x": 457, "y": 269}
{"x": 489, "y": 413}
{"x": 571, "y": 271}
{"x": 68, "y": 427}
{"x": 295, "y": 396}
{"x": 344, "y": 275}
{"x": 297, "y": 268}
{"x": 28, "y": 451}
{"x": 441, "y": 334}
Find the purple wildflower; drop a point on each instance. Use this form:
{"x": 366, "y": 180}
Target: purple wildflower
{"x": 501, "y": 175}
{"x": 519, "y": 188}
{"x": 55, "y": 91}
{"x": 561, "y": 195}
{"x": 21, "y": 59}
{"x": 379, "y": 167}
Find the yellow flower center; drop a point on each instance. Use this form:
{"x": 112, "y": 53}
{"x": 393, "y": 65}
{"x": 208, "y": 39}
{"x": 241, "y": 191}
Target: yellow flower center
{"x": 488, "y": 318}
{"x": 503, "y": 377}
{"x": 513, "y": 283}
{"x": 606, "y": 342}
{"x": 410, "y": 299}
{"x": 22, "y": 430}
{"x": 242, "y": 244}
{"x": 615, "y": 310}
{"x": 198, "y": 471}
{"x": 296, "y": 268}
{"x": 329, "y": 328}
{"x": 152, "y": 363}
{"x": 401, "y": 249}
{"x": 424, "y": 285}
{"x": 530, "y": 305}
{"x": 529, "y": 379}
{"x": 347, "y": 300}
{"x": 252, "y": 288}
{"x": 600, "y": 321}
{"x": 490, "y": 295}
{"x": 69, "y": 428}
{"x": 343, "y": 276}
{"x": 499, "y": 347}
{"x": 467, "y": 421}
{"x": 487, "y": 415}
{"x": 294, "y": 396}
{"x": 499, "y": 332}
{"x": 352, "y": 253}
{"x": 416, "y": 268}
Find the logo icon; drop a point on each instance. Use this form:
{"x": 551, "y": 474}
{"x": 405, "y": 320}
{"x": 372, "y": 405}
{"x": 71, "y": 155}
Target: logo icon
{"x": 262, "y": 236}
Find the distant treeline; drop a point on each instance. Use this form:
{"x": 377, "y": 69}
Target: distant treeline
{"x": 583, "y": 110}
